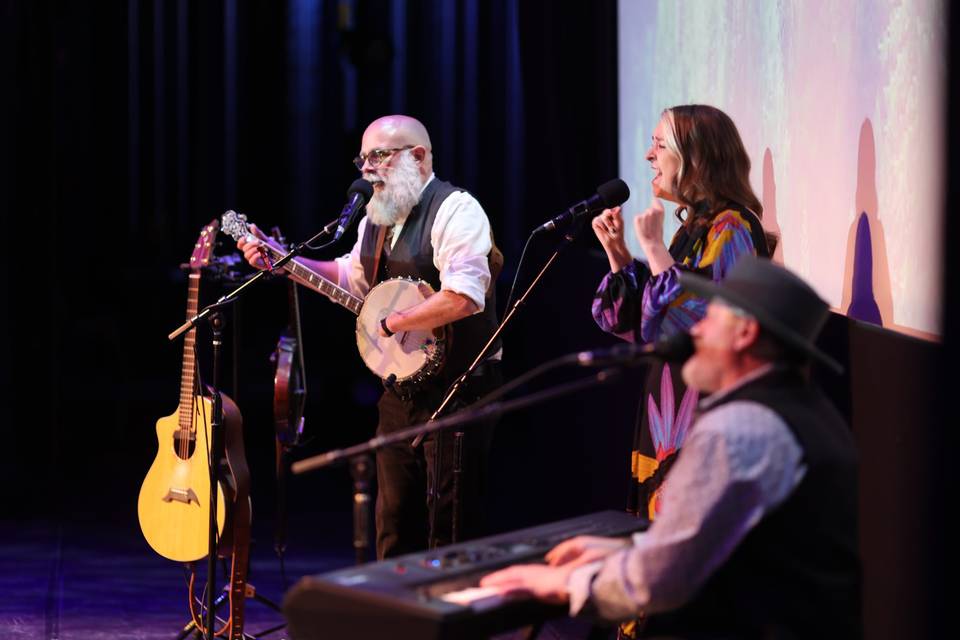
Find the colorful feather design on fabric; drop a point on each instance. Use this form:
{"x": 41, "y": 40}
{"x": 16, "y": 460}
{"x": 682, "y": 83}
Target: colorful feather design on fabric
{"x": 669, "y": 424}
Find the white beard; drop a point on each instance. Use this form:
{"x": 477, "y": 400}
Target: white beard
{"x": 400, "y": 194}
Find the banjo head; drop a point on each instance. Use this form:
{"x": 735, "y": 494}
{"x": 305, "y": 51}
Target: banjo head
{"x": 409, "y": 355}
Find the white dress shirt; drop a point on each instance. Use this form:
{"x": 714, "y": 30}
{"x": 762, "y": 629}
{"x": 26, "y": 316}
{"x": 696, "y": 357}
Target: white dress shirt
{"x": 461, "y": 242}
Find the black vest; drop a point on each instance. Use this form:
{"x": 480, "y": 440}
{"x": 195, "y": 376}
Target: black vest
{"x": 412, "y": 256}
{"x": 797, "y": 573}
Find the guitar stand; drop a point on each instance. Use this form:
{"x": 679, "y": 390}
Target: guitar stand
{"x": 191, "y": 628}
{"x": 214, "y": 317}
{"x": 217, "y": 453}
{"x": 250, "y": 593}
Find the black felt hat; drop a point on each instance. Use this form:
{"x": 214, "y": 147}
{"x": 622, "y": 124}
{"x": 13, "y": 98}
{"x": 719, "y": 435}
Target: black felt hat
{"x": 783, "y": 304}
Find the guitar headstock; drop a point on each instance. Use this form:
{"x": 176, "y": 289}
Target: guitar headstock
{"x": 203, "y": 249}
{"x": 235, "y": 225}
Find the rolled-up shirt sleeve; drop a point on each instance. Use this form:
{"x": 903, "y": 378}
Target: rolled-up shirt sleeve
{"x": 461, "y": 245}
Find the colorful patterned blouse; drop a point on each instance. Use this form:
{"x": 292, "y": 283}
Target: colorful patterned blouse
{"x": 640, "y": 307}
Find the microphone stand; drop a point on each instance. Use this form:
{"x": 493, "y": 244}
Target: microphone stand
{"x": 469, "y": 415}
{"x": 361, "y": 470}
{"x": 434, "y": 491}
{"x": 230, "y": 297}
{"x": 482, "y": 409}
{"x": 209, "y": 313}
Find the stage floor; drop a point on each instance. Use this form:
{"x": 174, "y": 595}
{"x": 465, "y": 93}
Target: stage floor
{"x": 99, "y": 580}
{"x": 95, "y": 580}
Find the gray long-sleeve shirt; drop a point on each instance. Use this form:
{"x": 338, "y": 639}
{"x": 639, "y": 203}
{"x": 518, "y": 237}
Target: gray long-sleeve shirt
{"x": 739, "y": 462}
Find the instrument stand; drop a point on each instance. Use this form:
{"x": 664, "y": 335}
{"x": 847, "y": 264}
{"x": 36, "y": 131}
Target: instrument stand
{"x": 216, "y": 455}
{"x": 214, "y": 317}
{"x": 212, "y": 314}
{"x": 251, "y": 593}
{"x": 216, "y": 452}
{"x": 484, "y": 408}
{"x": 191, "y": 627}
{"x": 361, "y": 470}
{"x": 458, "y": 435}
{"x": 280, "y": 531}
{"x": 291, "y": 376}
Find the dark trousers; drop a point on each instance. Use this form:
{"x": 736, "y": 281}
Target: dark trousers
{"x": 407, "y": 518}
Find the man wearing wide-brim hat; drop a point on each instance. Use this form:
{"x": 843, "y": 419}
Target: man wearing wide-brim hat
{"x": 757, "y": 537}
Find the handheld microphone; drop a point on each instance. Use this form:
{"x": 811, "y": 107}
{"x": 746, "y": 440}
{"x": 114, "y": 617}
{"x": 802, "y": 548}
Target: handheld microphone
{"x": 609, "y": 194}
{"x": 676, "y": 348}
{"x": 357, "y": 196}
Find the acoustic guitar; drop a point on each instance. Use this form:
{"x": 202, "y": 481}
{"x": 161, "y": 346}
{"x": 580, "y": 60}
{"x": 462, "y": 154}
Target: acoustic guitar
{"x": 173, "y": 506}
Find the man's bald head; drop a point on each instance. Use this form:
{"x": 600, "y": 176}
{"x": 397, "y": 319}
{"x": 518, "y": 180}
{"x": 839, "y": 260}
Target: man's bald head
{"x": 397, "y": 132}
{"x": 400, "y": 131}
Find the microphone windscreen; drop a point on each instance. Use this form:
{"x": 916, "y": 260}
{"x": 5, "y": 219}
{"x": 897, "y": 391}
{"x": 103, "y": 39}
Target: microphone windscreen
{"x": 363, "y": 187}
{"x": 613, "y": 193}
{"x": 676, "y": 348}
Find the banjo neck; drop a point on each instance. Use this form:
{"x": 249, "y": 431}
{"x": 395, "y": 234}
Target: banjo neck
{"x": 407, "y": 358}
{"x": 313, "y": 280}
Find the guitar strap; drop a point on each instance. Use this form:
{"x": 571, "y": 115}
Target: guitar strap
{"x": 381, "y": 236}
{"x": 495, "y": 262}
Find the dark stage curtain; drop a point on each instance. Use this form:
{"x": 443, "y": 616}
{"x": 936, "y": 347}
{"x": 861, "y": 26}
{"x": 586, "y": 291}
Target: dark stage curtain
{"x": 127, "y": 126}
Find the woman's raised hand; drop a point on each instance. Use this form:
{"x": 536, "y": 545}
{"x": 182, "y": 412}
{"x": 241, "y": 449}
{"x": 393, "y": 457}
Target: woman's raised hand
{"x": 608, "y": 227}
{"x": 649, "y": 224}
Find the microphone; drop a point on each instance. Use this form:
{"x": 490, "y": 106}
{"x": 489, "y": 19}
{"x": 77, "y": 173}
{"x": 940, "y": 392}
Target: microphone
{"x": 357, "y": 196}
{"x": 609, "y": 194}
{"x": 676, "y": 348}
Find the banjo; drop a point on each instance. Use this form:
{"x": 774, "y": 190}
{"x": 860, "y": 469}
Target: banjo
{"x": 404, "y": 359}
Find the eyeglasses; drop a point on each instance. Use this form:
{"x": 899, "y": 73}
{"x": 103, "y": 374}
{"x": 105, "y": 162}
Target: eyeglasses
{"x": 377, "y": 156}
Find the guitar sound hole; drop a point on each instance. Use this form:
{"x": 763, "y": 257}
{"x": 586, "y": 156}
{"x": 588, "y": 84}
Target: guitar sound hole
{"x": 184, "y": 443}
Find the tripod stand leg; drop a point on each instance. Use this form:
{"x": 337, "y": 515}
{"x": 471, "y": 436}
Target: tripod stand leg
{"x": 191, "y": 626}
{"x": 251, "y": 593}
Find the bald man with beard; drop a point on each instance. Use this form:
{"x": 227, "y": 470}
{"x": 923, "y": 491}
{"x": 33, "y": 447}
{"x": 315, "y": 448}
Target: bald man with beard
{"x": 438, "y": 233}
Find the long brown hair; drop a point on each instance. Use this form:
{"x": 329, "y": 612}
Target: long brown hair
{"x": 714, "y": 166}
